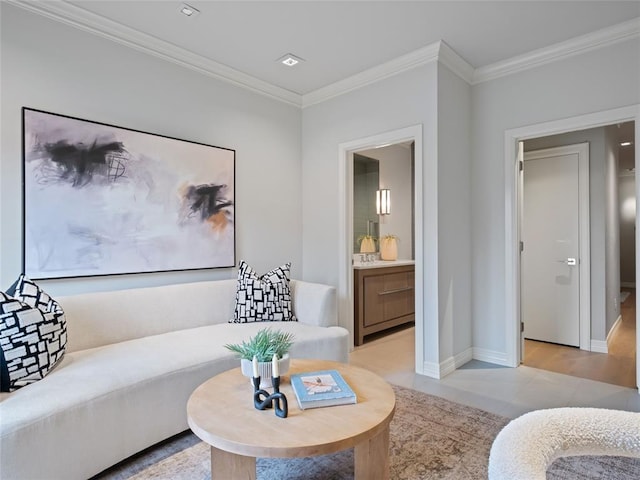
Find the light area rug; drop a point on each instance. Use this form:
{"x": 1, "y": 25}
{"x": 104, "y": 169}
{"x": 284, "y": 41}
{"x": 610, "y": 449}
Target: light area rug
{"x": 431, "y": 438}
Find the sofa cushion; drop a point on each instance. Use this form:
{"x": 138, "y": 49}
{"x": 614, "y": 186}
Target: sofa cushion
{"x": 33, "y": 334}
{"x": 265, "y": 298}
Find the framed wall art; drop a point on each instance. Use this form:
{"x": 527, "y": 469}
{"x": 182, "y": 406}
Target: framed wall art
{"x": 104, "y": 200}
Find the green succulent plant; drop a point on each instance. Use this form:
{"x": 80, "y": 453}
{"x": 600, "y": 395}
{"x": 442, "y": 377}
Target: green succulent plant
{"x": 263, "y": 345}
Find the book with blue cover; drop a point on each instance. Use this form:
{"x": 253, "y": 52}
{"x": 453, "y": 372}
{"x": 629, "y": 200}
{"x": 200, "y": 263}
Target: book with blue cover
{"x": 324, "y": 388}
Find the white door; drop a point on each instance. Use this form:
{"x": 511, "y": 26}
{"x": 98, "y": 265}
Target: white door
{"x": 551, "y": 232}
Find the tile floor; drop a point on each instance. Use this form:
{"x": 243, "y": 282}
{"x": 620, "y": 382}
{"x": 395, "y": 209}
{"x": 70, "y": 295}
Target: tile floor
{"x": 501, "y": 390}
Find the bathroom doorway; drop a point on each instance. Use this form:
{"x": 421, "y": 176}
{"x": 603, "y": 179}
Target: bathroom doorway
{"x": 383, "y": 263}
{"x": 347, "y": 151}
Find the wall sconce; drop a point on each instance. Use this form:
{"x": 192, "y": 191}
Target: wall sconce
{"x": 383, "y": 202}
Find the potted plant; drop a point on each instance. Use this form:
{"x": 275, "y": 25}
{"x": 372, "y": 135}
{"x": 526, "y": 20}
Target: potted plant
{"x": 389, "y": 247}
{"x": 263, "y": 345}
{"x": 367, "y": 243}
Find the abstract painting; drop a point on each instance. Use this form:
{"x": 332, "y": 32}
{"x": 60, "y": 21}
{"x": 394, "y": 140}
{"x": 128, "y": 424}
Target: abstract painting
{"x": 104, "y": 200}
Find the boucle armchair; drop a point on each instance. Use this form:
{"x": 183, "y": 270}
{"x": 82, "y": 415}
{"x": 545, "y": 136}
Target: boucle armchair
{"x": 528, "y": 445}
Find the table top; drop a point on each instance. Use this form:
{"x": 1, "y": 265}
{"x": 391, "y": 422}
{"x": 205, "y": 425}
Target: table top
{"x": 221, "y": 412}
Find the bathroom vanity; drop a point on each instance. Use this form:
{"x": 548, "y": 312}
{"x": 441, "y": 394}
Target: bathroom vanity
{"x": 383, "y": 296}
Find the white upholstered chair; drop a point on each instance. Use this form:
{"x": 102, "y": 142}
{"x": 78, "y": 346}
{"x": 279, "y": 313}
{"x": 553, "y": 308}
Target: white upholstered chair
{"x": 527, "y": 446}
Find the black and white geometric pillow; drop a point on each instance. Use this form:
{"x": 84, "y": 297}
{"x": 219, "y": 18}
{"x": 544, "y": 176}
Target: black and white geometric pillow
{"x": 33, "y": 335}
{"x": 29, "y": 292}
{"x": 265, "y": 298}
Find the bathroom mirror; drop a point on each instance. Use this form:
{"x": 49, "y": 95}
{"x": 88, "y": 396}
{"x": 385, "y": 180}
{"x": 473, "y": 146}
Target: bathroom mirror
{"x": 366, "y": 180}
{"x": 388, "y": 168}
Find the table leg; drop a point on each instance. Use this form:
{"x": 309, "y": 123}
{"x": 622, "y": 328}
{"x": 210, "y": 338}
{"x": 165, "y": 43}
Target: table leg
{"x": 229, "y": 466}
{"x": 372, "y": 458}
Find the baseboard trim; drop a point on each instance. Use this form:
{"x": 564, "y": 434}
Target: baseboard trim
{"x": 453, "y": 363}
{"x": 613, "y": 327}
{"x": 628, "y": 284}
{"x": 447, "y": 366}
{"x": 599, "y": 346}
{"x": 490, "y": 356}
{"x": 431, "y": 369}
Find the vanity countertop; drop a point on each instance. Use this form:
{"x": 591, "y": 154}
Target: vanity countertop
{"x": 382, "y": 264}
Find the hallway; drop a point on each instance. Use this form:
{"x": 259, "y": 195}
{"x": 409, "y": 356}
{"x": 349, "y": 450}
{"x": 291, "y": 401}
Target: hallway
{"x": 618, "y": 367}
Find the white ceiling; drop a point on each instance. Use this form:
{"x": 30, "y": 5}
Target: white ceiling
{"x": 339, "y": 39}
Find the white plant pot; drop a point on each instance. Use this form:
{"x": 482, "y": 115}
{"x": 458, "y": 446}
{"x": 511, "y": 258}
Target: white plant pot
{"x": 265, "y": 369}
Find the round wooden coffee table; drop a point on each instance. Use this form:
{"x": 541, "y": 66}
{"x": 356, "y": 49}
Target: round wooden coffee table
{"x": 221, "y": 413}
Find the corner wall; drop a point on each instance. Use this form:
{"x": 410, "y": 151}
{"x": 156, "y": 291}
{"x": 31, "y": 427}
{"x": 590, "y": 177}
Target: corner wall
{"x": 58, "y": 68}
{"x": 430, "y": 95}
{"x": 397, "y": 102}
{"x": 454, "y": 219}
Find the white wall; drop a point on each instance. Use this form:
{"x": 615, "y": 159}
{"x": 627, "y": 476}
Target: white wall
{"x": 395, "y": 174}
{"x": 574, "y": 86}
{"x": 427, "y": 95}
{"x": 57, "y": 68}
{"x": 612, "y": 235}
{"x": 454, "y": 216}
{"x": 397, "y": 102}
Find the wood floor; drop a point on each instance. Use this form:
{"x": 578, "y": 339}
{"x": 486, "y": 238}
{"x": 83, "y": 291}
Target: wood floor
{"x": 618, "y": 367}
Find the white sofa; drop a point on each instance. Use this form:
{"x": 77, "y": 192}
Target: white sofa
{"x": 133, "y": 359}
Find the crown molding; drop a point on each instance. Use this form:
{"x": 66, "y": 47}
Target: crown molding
{"x": 438, "y": 51}
{"x": 388, "y": 69}
{"x": 77, "y": 17}
{"x": 458, "y": 65}
{"x": 601, "y": 38}
{"x": 82, "y": 19}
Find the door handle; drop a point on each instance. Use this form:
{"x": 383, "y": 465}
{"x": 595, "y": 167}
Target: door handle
{"x": 569, "y": 261}
{"x": 398, "y": 290}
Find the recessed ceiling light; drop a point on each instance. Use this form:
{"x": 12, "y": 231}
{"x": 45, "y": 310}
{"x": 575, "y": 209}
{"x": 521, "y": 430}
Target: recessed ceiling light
{"x": 188, "y": 10}
{"x": 625, "y": 144}
{"x": 290, "y": 60}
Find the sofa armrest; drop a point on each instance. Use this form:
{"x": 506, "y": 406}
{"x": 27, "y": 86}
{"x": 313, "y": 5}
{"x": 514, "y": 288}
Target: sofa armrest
{"x": 314, "y": 303}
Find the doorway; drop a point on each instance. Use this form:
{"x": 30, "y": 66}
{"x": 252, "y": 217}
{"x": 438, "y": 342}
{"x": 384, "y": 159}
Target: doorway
{"x": 346, "y": 247}
{"x": 555, "y": 252}
{"x": 610, "y": 296}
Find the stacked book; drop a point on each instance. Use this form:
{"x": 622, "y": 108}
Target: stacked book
{"x": 324, "y": 388}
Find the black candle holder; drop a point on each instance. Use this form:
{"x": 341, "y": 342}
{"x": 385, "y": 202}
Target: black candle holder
{"x": 262, "y": 400}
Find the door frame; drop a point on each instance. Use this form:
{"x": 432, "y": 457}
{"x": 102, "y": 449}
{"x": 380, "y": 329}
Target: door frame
{"x": 512, "y": 271}
{"x": 345, "y": 247}
{"x": 584, "y": 247}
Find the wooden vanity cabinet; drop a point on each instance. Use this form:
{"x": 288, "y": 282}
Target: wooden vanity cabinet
{"x": 384, "y": 297}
